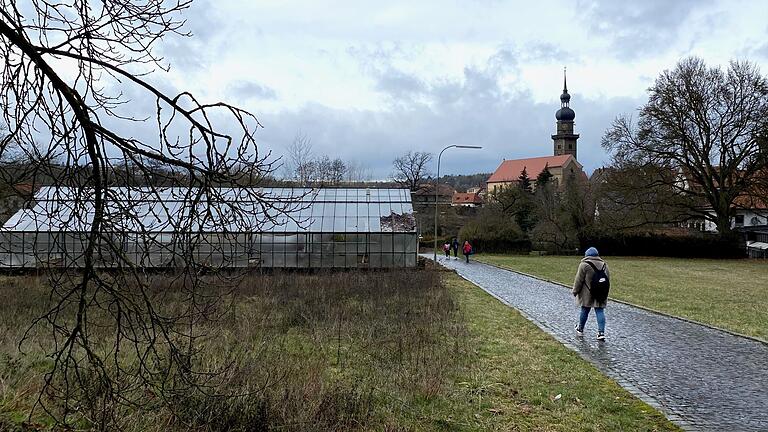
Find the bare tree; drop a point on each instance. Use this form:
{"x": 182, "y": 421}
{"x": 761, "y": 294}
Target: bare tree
{"x": 302, "y": 166}
{"x": 307, "y": 169}
{"x": 357, "y": 172}
{"x": 411, "y": 168}
{"x": 705, "y": 125}
{"x": 66, "y": 68}
{"x": 330, "y": 171}
{"x": 624, "y": 201}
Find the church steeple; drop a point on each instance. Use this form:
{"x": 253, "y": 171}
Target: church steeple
{"x": 565, "y": 98}
{"x": 565, "y": 139}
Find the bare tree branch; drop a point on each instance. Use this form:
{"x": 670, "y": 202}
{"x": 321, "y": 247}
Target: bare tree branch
{"x": 411, "y": 168}
{"x": 706, "y": 127}
{"x": 179, "y": 195}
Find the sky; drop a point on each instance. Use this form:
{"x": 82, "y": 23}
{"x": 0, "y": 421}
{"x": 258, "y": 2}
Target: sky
{"x": 368, "y": 81}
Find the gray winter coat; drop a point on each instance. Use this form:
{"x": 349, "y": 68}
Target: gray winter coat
{"x": 581, "y": 284}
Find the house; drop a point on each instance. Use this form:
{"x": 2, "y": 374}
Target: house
{"x": 467, "y": 199}
{"x": 425, "y": 194}
{"x": 749, "y": 210}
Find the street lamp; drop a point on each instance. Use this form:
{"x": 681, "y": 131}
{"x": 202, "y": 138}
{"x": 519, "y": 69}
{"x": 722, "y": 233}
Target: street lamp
{"x": 437, "y": 183}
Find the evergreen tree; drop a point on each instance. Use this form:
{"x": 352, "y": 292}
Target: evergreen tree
{"x": 524, "y": 182}
{"x": 544, "y": 177}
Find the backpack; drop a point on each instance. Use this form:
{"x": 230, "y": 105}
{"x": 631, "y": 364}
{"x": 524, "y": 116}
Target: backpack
{"x": 467, "y": 249}
{"x": 600, "y": 284}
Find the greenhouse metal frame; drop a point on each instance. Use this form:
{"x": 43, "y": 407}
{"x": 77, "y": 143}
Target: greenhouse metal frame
{"x": 315, "y": 228}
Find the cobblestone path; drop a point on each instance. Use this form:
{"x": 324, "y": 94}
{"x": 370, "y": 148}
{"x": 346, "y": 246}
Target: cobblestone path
{"x": 701, "y": 378}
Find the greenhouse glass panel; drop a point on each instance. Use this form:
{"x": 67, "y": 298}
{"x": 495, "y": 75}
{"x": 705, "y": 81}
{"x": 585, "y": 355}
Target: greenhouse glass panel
{"x": 354, "y": 227}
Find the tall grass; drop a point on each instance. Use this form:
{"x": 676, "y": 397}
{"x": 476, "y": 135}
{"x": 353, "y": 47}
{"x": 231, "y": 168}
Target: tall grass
{"x": 292, "y": 351}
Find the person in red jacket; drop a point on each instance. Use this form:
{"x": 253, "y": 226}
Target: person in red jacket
{"x": 467, "y": 250}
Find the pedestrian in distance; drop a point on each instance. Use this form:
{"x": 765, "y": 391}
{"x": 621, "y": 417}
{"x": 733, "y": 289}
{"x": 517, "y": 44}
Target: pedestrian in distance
{"x": 455, "y": 247}
{"x": 447, "y": 249}
{"x": 590, "y": 288}
{"x": 467, "y": 250}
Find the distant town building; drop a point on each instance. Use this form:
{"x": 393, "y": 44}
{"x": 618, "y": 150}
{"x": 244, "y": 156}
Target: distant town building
{"x": 749, "y": 210}
{"x": 561, "y": 165}
{"x": 425, "y": 194}
{"x": 467, "y": 199}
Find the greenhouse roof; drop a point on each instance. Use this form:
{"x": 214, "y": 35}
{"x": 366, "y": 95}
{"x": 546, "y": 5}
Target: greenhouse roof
{"x": 288, "y": 210}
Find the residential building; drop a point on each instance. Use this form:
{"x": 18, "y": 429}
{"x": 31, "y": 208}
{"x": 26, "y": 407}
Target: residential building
{"x": 467, "y": 199}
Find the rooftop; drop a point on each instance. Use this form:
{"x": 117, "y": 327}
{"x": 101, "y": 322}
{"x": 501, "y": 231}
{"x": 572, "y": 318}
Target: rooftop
{"x": 510, "y": 170}
{"x": 226, "y": 210}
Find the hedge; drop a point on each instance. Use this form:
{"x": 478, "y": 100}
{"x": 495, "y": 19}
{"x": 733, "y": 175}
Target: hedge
{"x": 501, "y": 245}
{"x": 652, "y": 244}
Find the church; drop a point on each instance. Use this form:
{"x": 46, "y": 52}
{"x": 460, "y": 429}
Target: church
{"x": 561, "y": 164}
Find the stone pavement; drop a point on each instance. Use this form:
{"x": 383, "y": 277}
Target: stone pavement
{"x": 701, "y": 378}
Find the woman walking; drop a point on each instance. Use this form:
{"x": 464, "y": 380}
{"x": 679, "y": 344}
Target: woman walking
{"x": 591, "y": 290}
{"x": 467, "y": 250}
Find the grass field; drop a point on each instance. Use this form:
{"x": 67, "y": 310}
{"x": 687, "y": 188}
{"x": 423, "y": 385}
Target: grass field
{"x": 518, "y": 372}
{"x": 390, "y": 351}
{"x": 731, "y": 294}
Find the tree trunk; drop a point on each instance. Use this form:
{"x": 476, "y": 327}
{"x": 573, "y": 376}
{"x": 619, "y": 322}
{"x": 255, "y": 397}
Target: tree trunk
{"x": 723, "y": 222}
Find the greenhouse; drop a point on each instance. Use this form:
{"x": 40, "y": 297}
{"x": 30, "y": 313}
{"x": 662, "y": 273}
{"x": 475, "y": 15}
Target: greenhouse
{"x": 246, "y": 227}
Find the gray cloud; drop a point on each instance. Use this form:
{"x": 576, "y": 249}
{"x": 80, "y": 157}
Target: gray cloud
{"x": 762, "y": 51}
{"x": 548, "y": 52}
{"x": 638, "y": 28}
{"x": 399, "y": 85}
{"x": 475, "y": 110}
{"x": 243, "y": 90}
{"x": 403, "y": 88}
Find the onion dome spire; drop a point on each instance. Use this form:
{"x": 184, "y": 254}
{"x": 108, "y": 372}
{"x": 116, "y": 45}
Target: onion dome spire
{"x": 565, "y": 112}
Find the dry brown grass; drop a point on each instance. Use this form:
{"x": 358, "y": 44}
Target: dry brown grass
{"x": 298, "y": 352}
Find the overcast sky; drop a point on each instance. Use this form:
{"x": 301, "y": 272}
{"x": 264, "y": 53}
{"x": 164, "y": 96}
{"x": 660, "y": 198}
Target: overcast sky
{"x": 370, "y": 80}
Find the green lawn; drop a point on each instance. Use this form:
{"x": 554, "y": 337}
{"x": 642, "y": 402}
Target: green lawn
{"x": 519, "y": 371}
{"x": 731, "y": 294}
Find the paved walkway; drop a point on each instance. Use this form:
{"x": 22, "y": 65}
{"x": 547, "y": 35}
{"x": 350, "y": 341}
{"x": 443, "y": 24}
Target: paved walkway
{"x": 701, "y": 378}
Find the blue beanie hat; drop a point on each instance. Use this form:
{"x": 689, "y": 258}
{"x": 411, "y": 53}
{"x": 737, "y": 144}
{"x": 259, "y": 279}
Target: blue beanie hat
{"x": 591, "y": 252}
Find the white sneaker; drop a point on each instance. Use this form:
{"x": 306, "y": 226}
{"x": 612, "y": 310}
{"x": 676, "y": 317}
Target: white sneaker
{"x": 600, "y": 336}
{"x": 578, "y": 332}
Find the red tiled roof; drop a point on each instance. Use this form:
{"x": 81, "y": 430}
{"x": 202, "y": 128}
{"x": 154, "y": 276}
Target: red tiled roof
{"x": 754, "y": 198}
{"x": 466, "y": 198}
{"x": 750, "y": 202}
{"x": 510, "y": 170}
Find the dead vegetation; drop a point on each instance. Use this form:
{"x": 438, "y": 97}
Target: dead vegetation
{"x": 291, "y": 351}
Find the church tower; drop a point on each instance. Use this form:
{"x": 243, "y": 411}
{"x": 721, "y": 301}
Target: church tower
{"x": 565, "y": 139}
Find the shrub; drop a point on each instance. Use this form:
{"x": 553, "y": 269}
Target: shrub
{"x": 495, "y": 232}
{"x": 654, "y": 244}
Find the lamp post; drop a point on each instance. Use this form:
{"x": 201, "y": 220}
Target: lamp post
{"x": 437, "y": 183}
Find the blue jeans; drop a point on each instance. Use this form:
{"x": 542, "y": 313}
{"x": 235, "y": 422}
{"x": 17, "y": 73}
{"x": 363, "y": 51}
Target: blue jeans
{"x": 599, "y": 314}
